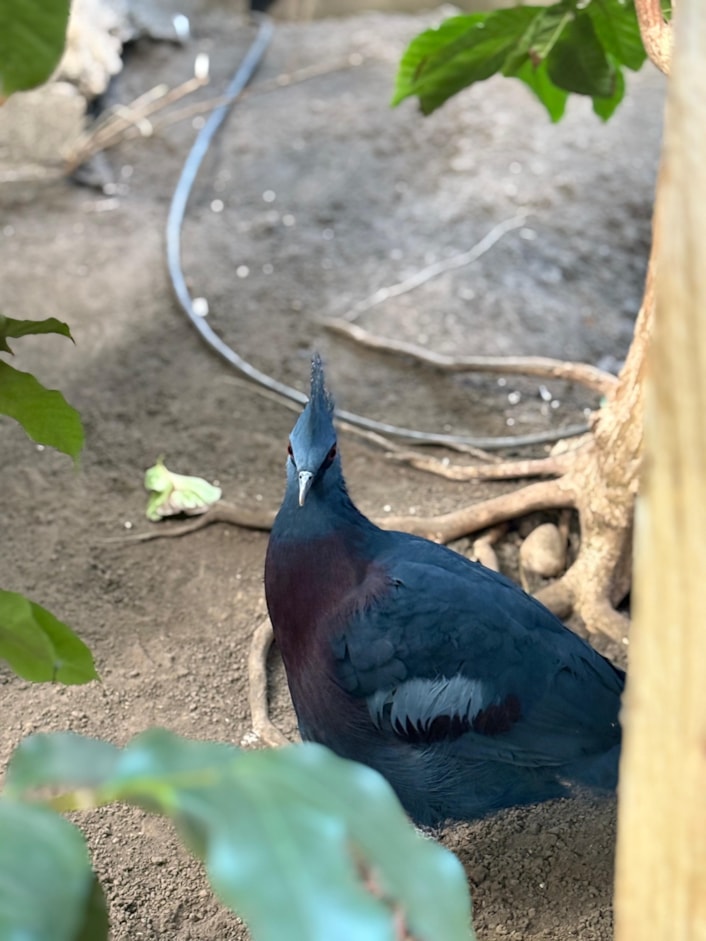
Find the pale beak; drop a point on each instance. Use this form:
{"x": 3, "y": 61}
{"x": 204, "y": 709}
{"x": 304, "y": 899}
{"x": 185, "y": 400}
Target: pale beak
{"x": 305, "y": 481}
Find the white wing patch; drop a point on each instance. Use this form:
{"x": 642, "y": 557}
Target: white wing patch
{"x": 413, "y": 706}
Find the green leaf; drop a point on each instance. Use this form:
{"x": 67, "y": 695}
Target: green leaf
{"x": 462, "y": 50}
{"x": 32, "y": 35}
{"x": 558, "y": 49}
{"x": 175, "y": 493}
{"x": 48, "y": 890}
{"x": 604, "y": 107}
{"x": 536, "y": 77}
{"x": 66, "y": 759}
{"x": 44, "y": 414}
{"x": 302, "y": 844}
{"x": 578, "y": 63}
{"x": 9, "y": 327}
{"x": 38, "y": 646}
{"x": 539, "y": 38}
{"x": 615, "y": 23}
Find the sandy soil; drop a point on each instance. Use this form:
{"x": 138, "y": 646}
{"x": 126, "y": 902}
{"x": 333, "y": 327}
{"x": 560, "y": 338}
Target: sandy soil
{"x": 363, "y": 197}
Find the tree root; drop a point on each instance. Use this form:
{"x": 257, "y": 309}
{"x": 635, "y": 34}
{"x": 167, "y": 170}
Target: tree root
{"x": 484, "y": 547}
{"x": 220, "y": 512}
{"x": 549, "y": 494}
{"x": 551, "y": 466}
{"x": 263, "y": 727}
{"x": 541, "y": 366}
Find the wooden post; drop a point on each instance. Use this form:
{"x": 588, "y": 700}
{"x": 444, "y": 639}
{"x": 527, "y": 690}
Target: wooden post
{"x": 661, "y": 862}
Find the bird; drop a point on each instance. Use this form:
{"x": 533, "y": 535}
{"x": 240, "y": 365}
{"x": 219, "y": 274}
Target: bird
{"x": 463, "y": 691}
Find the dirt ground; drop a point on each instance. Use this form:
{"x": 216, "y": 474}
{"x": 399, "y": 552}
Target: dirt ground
{"x": 325, "y": 196}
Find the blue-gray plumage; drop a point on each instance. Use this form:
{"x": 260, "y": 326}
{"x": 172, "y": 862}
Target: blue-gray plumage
{"x": 461, "y": 689}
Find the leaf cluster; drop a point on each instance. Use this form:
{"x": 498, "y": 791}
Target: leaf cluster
{"x": 574, "y": 46}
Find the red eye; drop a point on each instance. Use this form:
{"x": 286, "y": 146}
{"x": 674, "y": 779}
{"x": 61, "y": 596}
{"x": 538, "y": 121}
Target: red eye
{"x": 332, "y": 453}
{"x": 289, "y": 449}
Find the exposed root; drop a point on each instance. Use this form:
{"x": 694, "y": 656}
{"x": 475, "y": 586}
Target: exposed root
{"x": 218, "y": 513}
{"x": 547, "y": 494}
{"x": 541, "y": 366}
{"x": 260, "y": 644}
{"x": 550, "y": 466}
{"x": 484, "y": 547}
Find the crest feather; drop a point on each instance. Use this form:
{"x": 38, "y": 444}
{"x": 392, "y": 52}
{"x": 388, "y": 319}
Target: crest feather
{"x": 319, "y": 395}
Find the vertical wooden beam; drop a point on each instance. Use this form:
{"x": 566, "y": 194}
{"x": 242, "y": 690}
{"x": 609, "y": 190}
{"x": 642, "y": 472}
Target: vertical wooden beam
{"x": 661, "y": 864}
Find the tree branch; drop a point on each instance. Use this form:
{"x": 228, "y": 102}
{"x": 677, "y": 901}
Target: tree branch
{"x": 656, "y": 33}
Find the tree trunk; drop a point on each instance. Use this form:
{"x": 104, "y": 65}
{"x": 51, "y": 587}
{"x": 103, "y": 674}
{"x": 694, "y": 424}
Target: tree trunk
{"x": 661, "y": 864}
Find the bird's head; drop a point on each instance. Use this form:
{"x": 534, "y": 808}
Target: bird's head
{"x": 312, "y": 443}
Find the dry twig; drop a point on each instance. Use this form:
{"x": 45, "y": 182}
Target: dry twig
{"x": 459, "y": 260}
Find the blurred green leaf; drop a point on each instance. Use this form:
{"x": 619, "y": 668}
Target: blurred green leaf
{"x": 63, "y": 759}
{"x": 536, "y": 78}
{"x": 616, "y": 26}
{"x": 38, "y": 646}
{"x": 302, "y": 844}
{"x": 604, "y": 107}
{"x": 462, "y": 50}
{"x": 32, "y": 36}
{"x": 173, "y": 494}
{"x": 44, "y": 414}
{"x": 544, "y": 30}
{"x": 555, "y": 50}
{"x": 48, "y": 890}
{"x": 578, "y": 63}
{"x": 12, "y": 329}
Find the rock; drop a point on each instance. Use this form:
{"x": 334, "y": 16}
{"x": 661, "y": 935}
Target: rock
{"x": 543, "y": 552}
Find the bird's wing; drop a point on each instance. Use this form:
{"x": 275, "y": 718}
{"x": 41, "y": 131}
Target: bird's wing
{"x": 451, "y": 650}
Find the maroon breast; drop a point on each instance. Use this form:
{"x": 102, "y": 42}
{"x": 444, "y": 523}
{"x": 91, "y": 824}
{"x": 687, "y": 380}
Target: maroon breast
{"x": 312, "y": 588}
